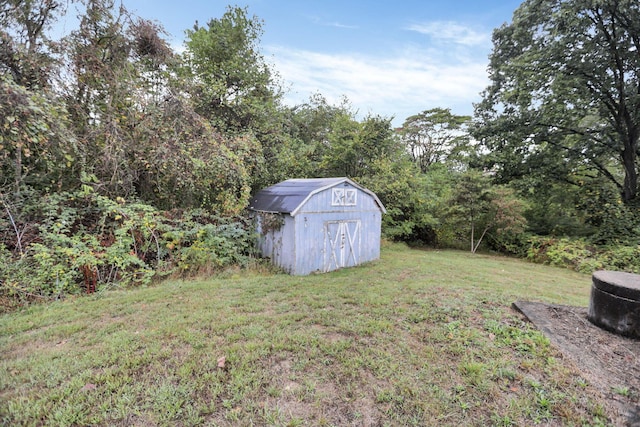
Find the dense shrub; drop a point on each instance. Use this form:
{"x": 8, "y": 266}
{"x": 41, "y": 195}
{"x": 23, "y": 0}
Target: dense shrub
{"x": 623, "y": 258}
{"x": 509, "y": 243}
{"x": 582, "y": 256}
{"x": 68, "y": 243}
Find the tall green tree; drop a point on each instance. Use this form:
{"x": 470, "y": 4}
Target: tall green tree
{"x": 101, "y": 91}
{"x": 230, "y": 80}
{"x": 352, "y": 145}
{"x": 140, "y": 132}
{"x": 309, "y": 126}
{"x": 25, "y": 47}
{"x": 434, "y": 136}
{"x": 233, "y": 87}
{"x": 36, "y": 146}
{"x": 564, "y": 98}
{"x": 477, "y": 207}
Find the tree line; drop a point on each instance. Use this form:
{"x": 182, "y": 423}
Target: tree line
{"x": 124, "y": 161}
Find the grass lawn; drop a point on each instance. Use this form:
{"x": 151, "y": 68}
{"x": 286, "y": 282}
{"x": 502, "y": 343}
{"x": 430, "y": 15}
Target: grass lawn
{"x": 420, "y": 337}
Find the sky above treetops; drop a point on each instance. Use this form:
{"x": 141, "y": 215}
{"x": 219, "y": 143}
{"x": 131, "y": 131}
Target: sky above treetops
{"x": 388, "y": 58}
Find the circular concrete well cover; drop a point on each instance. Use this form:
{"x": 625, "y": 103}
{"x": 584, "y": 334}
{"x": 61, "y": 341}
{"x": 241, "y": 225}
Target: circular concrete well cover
{"x": 615, "y": 302}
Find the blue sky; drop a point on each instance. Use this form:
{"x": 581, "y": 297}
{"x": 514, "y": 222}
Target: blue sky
{"x": 390, "y": 58}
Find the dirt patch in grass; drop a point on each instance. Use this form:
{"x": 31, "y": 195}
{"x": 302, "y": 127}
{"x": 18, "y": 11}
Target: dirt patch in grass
{"x": 609, "y": 361}
{"x": 298, "y": 391}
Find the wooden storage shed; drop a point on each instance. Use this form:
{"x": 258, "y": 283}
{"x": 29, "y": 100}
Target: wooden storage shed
{"x": 318, "y": 225}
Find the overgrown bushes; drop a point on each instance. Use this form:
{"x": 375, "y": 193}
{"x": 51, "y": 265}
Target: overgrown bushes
{"x": 80, "y": 241}
{"x": 582, "y": 256}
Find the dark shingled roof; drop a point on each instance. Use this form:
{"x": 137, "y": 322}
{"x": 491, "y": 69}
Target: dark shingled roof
{"x": 287, "y": 196}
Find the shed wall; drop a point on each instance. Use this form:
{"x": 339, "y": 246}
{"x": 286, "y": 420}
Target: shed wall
{"x": 276, "y": 244}
{"x": 320, "y": 226}
{"x": 313, "y": 246}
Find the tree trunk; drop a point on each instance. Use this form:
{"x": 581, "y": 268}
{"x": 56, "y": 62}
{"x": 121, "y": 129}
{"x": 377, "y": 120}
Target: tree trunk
{"x": 472, "y": 236}
{"x": 629, "y": 160}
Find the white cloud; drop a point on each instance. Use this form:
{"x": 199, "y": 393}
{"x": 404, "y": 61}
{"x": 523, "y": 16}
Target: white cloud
{"x": 399, "y": 84}
{"x": 340, "y": 25}
{"x": 321, "y": 21}
{"x": 452, "y": 32}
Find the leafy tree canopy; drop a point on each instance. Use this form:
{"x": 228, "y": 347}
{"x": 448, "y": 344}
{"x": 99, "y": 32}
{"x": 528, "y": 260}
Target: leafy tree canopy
{"x": 564, "y": 98}
{"x": 478, "y": 208}
{"x": 229, "y": 77}
{"x": 434, "y": 136}
{"x": 24, "y": 45}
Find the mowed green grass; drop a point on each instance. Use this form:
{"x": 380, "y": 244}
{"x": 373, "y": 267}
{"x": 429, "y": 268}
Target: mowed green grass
{"x": 420, "y": 337}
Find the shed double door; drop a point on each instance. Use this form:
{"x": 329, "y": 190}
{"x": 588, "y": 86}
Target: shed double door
{"x": 341, "y": 244}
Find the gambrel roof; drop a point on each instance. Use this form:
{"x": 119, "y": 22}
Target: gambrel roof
{"x": 290, "y": 195}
